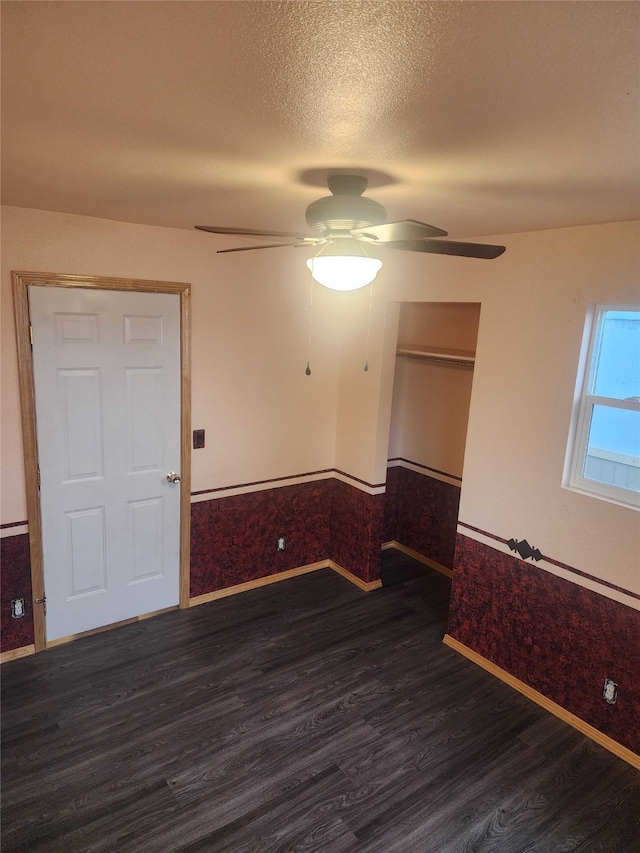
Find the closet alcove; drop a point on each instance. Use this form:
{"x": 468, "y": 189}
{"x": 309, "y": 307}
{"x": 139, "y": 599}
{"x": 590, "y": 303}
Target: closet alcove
{"x": 433, "y": 378}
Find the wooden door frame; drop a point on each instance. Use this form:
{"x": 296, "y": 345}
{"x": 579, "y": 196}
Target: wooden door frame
{"x": 21, "y": 282}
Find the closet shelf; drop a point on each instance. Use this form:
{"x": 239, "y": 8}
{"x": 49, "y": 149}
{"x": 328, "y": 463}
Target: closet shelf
{"x": 437, "y": 354}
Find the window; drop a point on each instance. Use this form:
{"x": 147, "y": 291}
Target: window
{"x": 605, "y": 456}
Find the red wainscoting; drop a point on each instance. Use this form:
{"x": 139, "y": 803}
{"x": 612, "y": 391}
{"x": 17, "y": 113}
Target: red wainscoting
{"x": 356, "y": 530}
{"x": 234, "y": 539}
{"x": 560, "y": 638}
{"x": 16, "y": 583}
{"x": 421, "y": 512}
{"x": 390, "y": 513}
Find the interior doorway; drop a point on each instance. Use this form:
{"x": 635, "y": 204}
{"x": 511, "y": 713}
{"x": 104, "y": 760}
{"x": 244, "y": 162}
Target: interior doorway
{"x": 104, "y": 350}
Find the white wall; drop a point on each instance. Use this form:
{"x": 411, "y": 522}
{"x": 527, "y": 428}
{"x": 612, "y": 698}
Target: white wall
{"x": 264, "y": 418}
{"x": 364, "y": 397}
{"x": 534, "y": 299}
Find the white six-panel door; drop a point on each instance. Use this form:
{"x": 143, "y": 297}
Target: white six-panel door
{"x": 107, "y": 386}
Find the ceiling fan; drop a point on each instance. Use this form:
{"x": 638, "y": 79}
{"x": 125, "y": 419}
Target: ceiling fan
{"x": 348, "y": 226}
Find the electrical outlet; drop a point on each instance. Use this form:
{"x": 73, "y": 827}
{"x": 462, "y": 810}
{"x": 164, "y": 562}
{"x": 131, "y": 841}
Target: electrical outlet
{"x": 610, "y": 691}
{"x": 280, "y": 543}
{"x": 17, "y": 607}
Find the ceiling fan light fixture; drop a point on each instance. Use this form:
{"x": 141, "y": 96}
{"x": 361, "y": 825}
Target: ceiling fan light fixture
{"x": 344, "y": 265}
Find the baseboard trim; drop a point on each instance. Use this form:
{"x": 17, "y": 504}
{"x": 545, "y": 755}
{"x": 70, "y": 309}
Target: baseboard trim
{"x": 365, "y": 586}
{"x": 584, "y": 728}
{"x": 24, "y": 651}
{"x": 426, "y": 561}
{"x": 258, "y": 582}
{"x": 283, "y": 576}
{"x": 14, "y": 654}
{"x": 62, "y": 641}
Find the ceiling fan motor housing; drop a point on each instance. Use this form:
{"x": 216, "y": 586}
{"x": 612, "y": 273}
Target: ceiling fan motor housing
{"x": 346, "y": 209}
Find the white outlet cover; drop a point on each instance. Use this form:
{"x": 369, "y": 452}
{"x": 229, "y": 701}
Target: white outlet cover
{"x": 610, "y": 691}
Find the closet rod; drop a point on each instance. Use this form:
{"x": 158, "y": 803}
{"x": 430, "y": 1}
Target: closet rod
{"x": 442, "y": 359}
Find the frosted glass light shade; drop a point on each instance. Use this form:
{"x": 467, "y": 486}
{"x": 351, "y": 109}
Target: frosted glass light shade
{"x": 344, "y": 272}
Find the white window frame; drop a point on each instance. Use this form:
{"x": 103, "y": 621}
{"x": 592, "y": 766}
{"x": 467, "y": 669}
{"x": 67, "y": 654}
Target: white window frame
{"x": 583, "y": 409}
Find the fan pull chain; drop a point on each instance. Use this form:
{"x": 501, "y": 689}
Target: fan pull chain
{"x": 366, "y": 358}
{"x": 308, "y": 370}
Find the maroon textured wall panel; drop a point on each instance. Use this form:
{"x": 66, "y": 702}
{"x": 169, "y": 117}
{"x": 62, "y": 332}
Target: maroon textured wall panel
{"x": 356, "y": 530}
{"x": 390, "y": 521}
{"x": 233, "y": 539}
{"x": 16, "y": 583}
{"x": 560, "y": 638}
{"x": 422, "y": 513}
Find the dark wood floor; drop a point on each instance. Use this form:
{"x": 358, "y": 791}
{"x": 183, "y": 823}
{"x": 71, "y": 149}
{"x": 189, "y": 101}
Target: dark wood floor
{"x": 306, "y": 715}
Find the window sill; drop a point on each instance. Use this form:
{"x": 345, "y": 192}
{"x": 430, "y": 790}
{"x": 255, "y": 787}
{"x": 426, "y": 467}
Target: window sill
{"x": 621, "y": 497}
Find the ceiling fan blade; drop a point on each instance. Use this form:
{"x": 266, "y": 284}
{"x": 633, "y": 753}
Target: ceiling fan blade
{"x": 248, "y": 232}
{"x": 250, "y": 248}
{"x": 406, "y": 229}
{"x": 449, "y": 247}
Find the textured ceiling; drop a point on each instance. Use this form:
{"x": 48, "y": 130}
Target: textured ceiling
{"x": 479, "y": 117}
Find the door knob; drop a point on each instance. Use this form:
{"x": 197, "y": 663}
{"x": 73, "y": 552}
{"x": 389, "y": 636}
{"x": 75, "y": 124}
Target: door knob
{"x": 172, "y": 477}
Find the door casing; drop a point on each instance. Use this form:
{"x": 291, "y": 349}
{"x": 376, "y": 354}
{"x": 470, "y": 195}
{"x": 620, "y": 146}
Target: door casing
{"x": 21, "y": 281}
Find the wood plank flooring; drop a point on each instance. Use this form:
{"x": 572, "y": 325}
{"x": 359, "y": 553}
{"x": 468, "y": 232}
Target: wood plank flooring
{"x": 303, "y": 716}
